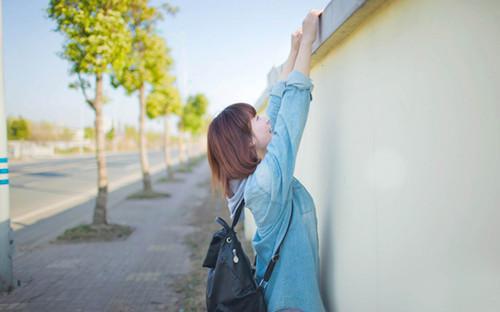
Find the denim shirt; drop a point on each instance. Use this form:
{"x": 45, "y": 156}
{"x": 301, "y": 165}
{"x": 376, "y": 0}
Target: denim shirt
{"x": 270, "y": 194}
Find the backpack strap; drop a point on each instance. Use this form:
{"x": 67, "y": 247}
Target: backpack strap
{"x": 276, "y": 255}
{"x": 237, "y": 214}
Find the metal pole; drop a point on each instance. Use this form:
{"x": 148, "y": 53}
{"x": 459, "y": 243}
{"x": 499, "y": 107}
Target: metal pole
{"x": 6, "y": 241}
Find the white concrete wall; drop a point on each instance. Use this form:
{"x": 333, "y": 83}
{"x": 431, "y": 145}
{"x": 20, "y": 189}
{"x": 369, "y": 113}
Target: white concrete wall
{"x": 401, "y": 153}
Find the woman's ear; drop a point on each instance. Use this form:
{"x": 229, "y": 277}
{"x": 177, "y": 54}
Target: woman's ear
{"x": 252, "y": 144}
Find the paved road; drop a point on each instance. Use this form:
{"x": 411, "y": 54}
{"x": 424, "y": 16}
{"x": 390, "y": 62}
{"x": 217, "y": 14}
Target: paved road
{"x": 44, "y": 188}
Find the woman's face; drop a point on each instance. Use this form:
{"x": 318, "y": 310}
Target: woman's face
{"x": 262, "y": 133}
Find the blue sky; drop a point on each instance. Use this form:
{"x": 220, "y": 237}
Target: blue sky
{"x": 223, "y": 49}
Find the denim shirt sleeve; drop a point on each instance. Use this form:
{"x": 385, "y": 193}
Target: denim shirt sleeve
{"x": 274, "y": 104}
{"x": 274, "y": 173}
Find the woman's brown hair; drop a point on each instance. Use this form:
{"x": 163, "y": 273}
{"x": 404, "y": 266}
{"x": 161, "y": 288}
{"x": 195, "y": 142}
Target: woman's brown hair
{"x": 230, "y": 151}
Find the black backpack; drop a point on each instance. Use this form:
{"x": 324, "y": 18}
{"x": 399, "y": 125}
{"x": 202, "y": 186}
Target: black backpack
{"x": 231, "y": 284}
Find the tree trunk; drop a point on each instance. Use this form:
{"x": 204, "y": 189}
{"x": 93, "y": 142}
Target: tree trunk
{"x": 182, "y": 158}
{"x": 146, "y": 178}
{"x": 102, "y": 176}
{"x": 166, "y": 147}
{"x": 186, "y": 149}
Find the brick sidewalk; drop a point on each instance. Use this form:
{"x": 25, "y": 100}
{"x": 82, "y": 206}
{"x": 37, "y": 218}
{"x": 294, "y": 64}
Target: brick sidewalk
{"x": 131, "y": 275}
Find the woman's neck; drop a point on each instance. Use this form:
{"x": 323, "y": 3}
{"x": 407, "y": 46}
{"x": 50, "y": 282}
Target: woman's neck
{"x": 261, "y": 154}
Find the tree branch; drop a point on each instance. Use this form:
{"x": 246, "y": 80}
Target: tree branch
{"x": 83, "y": 87}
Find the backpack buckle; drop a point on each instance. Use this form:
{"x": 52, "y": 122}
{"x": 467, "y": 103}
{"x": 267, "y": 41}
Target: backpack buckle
{"x": 262, "y": 284}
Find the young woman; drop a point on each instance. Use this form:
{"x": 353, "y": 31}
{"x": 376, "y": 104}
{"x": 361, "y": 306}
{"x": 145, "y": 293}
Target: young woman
{"x": 253, "y": 158}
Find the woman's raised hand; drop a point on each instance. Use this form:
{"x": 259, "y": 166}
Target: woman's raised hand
{"x": 310, "y": 26}
{"x": 294, "y": 50}
{"x": 296, "y": 38}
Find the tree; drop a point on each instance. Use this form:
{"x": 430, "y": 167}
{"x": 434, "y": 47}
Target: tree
{"x": 192, "y": 119}
{"x": 18, "y": 129}
{"x": 96, "y": 40}
{"x": 131, "y": 134}
{"x": 89, "y": 133}
{"x": 164, "y": 100}
{"x": 66, "y": 134}
{"x": 147, "y": 63}
{"x": 195, "y": 109}
{"x": 110, "y": 135}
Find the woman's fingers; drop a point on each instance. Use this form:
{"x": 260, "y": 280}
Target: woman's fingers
{"x": 310, "y": 25}
{"x": 316, "y": 12}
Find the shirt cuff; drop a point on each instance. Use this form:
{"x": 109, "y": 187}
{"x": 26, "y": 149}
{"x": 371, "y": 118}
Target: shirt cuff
{"x": 278, "y": 88}
{"x": 299, "y": 80}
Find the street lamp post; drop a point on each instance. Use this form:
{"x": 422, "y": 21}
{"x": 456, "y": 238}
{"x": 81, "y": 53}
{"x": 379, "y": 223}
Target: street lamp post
{"x": 6, "y": 241}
